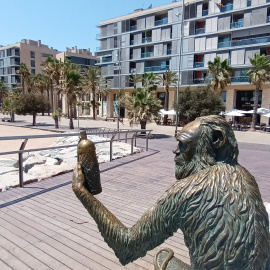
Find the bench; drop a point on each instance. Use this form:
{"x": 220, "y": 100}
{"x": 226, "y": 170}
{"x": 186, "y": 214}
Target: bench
{"x": 114, "y": 119}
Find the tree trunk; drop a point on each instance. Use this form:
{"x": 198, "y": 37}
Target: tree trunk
{"x": 56, "y": 121}
{"x": 94, "y": 104}
{"x": 23, "y": 86}
{"x": 143, "y": 126}
{"x": 254, "y": 116}
{"x": 102, "y": 98}
{"x": 71, "y": 126}
{"x": 166, "y": 105}
{"x": 34, "y": 119}
{"x": 52, "y": 97}
{"x": 12, "y": 118}
{"x": 48, "y": 97}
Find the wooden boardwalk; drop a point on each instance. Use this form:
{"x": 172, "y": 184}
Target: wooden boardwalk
{"x": 44, "y": 226}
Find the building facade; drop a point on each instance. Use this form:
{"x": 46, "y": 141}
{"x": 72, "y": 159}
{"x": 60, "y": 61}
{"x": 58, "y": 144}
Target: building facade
{"x": 30, "y": 52}
{"x": 149, "y": 41}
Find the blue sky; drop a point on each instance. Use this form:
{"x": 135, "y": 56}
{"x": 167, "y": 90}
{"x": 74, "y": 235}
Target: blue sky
{"x": 62, "y": 23}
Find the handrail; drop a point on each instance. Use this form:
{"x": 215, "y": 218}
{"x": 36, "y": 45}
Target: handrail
{"x": 113, "y": 133}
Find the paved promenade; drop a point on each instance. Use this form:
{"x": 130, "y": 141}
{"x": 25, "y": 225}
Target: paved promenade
{"x": 44, "y": 226}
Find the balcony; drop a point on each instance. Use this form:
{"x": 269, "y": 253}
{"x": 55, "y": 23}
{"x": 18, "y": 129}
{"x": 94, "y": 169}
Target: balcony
{"x": 238, "y": 79}
{"x": 237, "y": 24}
{"x": 224, "y": 44}
{"x": 161, "y": 22}
{"x": 133, "y": 70}
{"x": 198, "y": 64}
{"x": 147, "y": 54}
{"x": 107, "y": 59}
{"x": 156, "y": 68}
{"x": 132, "y": 42}
{"x": 249, "y": 3}
{"x": 199, "y": 31}
{"x": 133, "y": 28}
{"x": 226, "y": 8}
{"x": 131, "y": 56}
{"x": 147, "y": 40}
{"x": 15, "y": 63}
{"x": 268, "y": 19}
{"x": 169, "y": 52}
{"x": 205, "y": 12}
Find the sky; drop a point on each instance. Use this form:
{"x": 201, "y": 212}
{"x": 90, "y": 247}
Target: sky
{"x": 63, "y": 23}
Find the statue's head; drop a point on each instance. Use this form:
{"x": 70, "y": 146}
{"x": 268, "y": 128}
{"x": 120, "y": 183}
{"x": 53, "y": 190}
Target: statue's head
{"x": 203, "y": 143}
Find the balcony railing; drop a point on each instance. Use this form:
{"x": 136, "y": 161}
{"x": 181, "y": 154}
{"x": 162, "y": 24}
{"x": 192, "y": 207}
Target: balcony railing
{"x": 198, "y": 81}
{"x": 243, "y": 42}
{"x": 198, "y": 64}
{"x": 268, "y": 19}
{"x": 132, "y": 42}
{"x": 240, "y": 79}
{"x": 199, "y": 31}
{"x": 131, "y": 56}
{"x": 105, "y": 60}
{"x": 227, "y": 7}
{"x": 237, "y": 24}
{"x": 205, "y": 12}
{"x": 249, "y": 3}
{"x": 15, "y": 63}
{"x": 156, "y": 68}
{"x": 146, "y": 40}
{"x": 147, "y": 54}
{"x": 133, "y": 28}
{"x": 162, "y": 21}
{"x": 169, "y": 51}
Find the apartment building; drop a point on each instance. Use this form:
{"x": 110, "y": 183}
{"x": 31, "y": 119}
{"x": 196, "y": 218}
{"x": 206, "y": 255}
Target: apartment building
{"x": 30, "y": 52}
{"x": 149, "y": 41}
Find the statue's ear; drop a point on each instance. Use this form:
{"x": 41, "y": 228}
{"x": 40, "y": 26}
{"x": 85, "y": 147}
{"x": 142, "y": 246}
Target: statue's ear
{"x": 218, "y": 138}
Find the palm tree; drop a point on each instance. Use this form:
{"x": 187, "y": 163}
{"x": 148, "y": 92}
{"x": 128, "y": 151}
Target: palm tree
{"x": 30, "y": 83}
{"x": 221, "y": 71}
{"x": 24, "y": 74}
{"x": 53, "y": 68}
{"x": 150, "y": 81}
{"x": 91, "y": 82}
{"x": 142, "y": 107}
{"x": 42, "y": 83}
{"x": 136, "y": 78}
{"x": 71, "y": 86}
{"x": 168, "y": 78}
{"x": 258, "y": 75}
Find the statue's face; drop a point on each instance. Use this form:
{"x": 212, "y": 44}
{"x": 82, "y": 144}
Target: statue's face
{"x": 186, "y": 148}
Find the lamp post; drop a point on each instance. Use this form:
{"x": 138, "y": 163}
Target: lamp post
{"x": 179, "y": 64}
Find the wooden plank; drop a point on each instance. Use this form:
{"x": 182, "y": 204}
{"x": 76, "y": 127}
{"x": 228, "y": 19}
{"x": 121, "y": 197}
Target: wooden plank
{"x": 3, "y": 266}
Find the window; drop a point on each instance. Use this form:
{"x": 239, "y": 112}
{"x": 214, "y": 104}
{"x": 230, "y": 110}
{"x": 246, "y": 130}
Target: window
{"x": 32, "y": 54}
{"x": 33, "y": 63}
{"x": 33, "y": 71}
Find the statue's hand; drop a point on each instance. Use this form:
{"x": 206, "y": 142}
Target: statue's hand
{"x": 78, "y": 178}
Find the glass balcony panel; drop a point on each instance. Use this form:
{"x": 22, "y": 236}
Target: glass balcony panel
{"x": 198, "y": 64}
{"x": 199, "y": 31}
{"x": 156, "y": 68}
{"x": 205, "y": 12}
{"x": 147, "y": 54}
{"x": 133, "y": 70}
{"x": 146, "y": 40}
{"x": 133, "y": 28}
{"x": 268, "y": 19}
{"x": 227, "y": 7}
{"x": 132, "y": 42}
{"x": 105, "y": 60}
{"x": 198, "y": 81}
{"x": 237, "y": 24}
{"x": 224, "y": 44}
{"x": 162, "y": 21}
{"x": 249, "y": 3}
{"x": 169, "y": 52}
{"x": 131, "y": 56}
{"x": 249, "y": 41}
{"x": 239, "y": 79}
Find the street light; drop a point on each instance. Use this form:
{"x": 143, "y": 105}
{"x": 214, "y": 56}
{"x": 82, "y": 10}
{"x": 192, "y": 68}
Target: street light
{"x": 179, "y": 64}
{"x": 119, "y": 82}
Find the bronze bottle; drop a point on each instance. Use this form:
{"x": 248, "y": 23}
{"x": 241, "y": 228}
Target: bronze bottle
{"x": 90, "y": 167}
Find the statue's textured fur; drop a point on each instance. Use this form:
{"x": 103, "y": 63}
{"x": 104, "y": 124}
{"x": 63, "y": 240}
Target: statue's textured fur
{"x": 215, "y": 202}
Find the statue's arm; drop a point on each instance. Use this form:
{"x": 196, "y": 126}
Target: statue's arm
{"x": 152, "y": 229}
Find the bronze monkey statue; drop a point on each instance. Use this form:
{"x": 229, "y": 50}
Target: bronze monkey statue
{"x": 215, "y": 202}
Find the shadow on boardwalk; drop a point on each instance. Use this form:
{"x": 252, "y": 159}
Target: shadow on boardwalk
{"x": 44, "y": 226}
